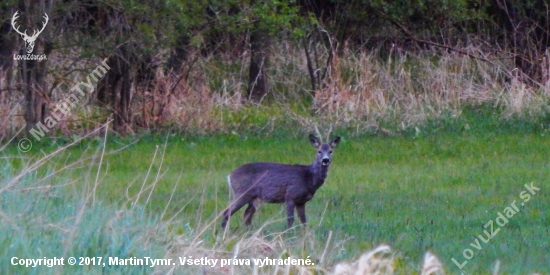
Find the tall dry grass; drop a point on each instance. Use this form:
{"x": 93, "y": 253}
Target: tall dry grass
{"x": 362, "y": 90}
{"x": 412, "y": 88}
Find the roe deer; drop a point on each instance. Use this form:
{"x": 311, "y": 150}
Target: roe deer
{"x": 294, "y": 185}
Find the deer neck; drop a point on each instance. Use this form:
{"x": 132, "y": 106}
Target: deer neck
{"x": 319, "y": 173}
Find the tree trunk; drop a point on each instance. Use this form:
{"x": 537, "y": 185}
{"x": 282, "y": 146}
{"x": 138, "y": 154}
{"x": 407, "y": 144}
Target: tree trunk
{"x": 115, "y": 88}
{"x": 260, "y": 42}
{"x": 33, "y": 72}
{"x": 7, "y": 49}
{"x": 180, "y": 54}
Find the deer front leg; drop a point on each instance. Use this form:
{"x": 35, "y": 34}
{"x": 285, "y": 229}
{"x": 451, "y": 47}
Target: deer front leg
{"x": 301, "y": 208}
{"x": 290, "y": 212}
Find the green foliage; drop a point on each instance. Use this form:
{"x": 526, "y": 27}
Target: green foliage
{"x": 425, "y": 11}
{"x": 219, "y": 22}
{"x": 277, "y": 16}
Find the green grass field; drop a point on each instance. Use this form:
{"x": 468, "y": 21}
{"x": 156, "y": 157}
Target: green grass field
{"x": 162, "y": 197}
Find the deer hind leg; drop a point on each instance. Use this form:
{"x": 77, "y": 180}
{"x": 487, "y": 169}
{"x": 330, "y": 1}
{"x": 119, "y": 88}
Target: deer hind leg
{"x": 233, "y": 207}
{"x": 248, "y": 213}
{"x": 250, "y": 210}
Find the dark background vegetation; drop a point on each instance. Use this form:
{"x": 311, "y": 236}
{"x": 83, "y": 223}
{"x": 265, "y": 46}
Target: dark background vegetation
{"x": 153, "y": 48}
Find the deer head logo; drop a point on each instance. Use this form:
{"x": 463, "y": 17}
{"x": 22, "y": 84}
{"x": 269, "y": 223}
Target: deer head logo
{"x": 29, "y": 40}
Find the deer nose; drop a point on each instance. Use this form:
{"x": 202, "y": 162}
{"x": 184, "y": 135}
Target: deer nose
{"x": 325, "y": 161}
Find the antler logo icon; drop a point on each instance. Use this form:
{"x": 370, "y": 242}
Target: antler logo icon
{"x": 29, "y": 40}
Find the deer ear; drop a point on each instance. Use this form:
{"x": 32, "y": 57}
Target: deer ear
{"x": 314, "y": 141}
{"x": 335, "y": 142}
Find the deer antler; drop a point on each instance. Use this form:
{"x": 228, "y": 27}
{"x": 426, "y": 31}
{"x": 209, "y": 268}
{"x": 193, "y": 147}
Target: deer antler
{"x": 327, "y": 136}
{"x": 329, "y": 132}
{"x": 318, "y": 133}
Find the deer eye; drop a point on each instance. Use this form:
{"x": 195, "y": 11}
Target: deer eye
{"x": 319, "y": 152}
{"x": 330, "y": 152}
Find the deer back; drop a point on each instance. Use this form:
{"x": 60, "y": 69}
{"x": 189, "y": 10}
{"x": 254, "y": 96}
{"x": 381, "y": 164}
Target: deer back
{"x": 270, "y": 181}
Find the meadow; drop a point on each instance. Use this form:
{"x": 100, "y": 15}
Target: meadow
{"x": 442, "y": 168}
{"x": 161, "y": 197}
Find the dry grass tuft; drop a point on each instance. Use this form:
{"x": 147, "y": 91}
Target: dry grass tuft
{"x": 377, "y": 261}
{"x": 431, "y": 265}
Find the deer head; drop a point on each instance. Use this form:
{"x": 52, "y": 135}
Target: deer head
{"x": 29, "y": 40}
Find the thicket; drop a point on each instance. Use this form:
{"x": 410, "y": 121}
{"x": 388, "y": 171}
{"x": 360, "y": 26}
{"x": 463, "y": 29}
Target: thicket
{"x": 222, "y": 66}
